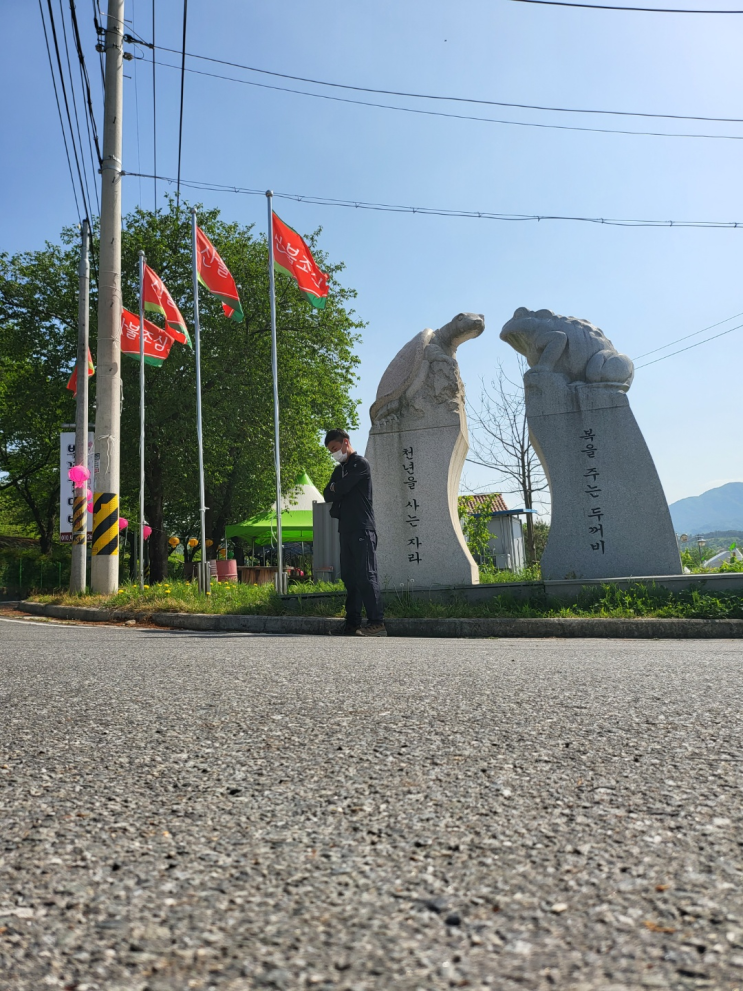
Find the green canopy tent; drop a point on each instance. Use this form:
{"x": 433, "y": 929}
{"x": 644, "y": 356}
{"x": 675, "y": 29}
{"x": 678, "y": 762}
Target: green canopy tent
{"x": 296, "y": 517}
{"x": 296, "y": 527}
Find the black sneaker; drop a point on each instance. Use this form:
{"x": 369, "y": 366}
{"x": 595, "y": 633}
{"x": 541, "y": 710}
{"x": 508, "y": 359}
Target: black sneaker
{"x": 372, "y": 630}
{"x": 344, "y": 631}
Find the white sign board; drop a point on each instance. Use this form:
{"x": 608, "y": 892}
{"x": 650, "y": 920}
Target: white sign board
{"x": 67, "y": 488}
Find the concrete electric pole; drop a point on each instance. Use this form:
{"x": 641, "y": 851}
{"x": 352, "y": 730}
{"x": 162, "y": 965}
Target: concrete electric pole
{"x": 104, "y": 570}
{"x": 79, "y": 512}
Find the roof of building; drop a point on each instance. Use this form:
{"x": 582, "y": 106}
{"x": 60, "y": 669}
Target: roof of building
{"x": 480, "y": 502}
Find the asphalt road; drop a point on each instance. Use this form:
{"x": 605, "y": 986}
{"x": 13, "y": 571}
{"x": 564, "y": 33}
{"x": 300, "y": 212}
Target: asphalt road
{"x": 186, "y": 810}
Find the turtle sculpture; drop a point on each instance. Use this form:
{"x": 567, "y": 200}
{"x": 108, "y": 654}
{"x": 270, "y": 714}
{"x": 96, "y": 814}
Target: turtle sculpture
{"x": 417, "y": 447}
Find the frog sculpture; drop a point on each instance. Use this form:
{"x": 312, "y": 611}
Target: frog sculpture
{"x": 566, "y": 346}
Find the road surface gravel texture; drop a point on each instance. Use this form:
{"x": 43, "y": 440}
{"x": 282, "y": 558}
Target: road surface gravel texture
{"x": 234, "y": 812}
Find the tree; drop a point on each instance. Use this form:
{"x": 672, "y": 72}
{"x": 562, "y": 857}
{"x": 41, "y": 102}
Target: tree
{"x": 501, "y": 441}
{"x": 316, "y": 371}
{"x": 38, "y": 333}
{"x": 38, "y": 341}
{"x": 474, "y": 519}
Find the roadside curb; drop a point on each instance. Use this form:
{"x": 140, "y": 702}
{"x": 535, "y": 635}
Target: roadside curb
{"x": 615, "y": 629}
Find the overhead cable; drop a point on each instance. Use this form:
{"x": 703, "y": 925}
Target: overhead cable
{"x": 90, "y": 125}
{"x": 441, "y": 113}
{"x": 154, "y": 107}
{"x": 440, "y": 97}
{"x": 180, "y": 124}
{"x": 59, "y": 111}
{"x": 74, "y": 104}
{"x": 681, "y": 350}
{"x": 86, "y": 78}
{"x": 688, "y": 336}
{"x": 436, "y": 212}
{"x": 644, "y": 10}
{"x": 83, "y": 192}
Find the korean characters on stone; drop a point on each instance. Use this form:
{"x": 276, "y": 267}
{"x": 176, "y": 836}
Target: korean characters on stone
{"x": 593, "y": 490}
{"x": 412, "y": 507}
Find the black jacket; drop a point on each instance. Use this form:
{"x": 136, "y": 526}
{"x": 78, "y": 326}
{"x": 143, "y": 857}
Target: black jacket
{"x": 350, "y": 491}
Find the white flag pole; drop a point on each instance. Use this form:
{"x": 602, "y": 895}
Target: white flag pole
{"x": 141, "y": 420}
{"x": 206, "y": 580}
{"x": 280, "y": 581}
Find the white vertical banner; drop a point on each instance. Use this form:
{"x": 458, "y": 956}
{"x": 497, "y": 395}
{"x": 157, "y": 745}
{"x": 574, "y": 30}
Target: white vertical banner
{"x": 67, "y": 488}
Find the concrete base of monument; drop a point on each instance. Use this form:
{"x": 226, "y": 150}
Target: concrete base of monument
{"x": 567, "y": 590}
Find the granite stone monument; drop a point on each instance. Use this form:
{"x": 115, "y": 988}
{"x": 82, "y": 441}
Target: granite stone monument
{"x": 417, "y": 447}
{"x": 610, "y": 518}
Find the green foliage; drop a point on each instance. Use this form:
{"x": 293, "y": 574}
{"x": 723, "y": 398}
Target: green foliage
{"x": 38, "y": 340}
{"x": 474, "y": 519}
{"x": 24, "y": 568}
{"x": 607, "y": 601}
{"x": 316, "y": 372}
{"x": 490, "y": 575}
{"x": 541, "y": 535}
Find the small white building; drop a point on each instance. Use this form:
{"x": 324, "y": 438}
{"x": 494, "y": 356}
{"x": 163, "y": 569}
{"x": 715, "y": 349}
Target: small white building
{"x": 507, "y": 546}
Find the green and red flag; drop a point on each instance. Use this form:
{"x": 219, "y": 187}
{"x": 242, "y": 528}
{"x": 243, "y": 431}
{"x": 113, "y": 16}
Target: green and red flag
{"x": 292, "y": 257}
{"x": 157, "y": 299}
{"x": 157, "y": 342}
{"x": 72, "y": 384}
{"x": 216, "y": 277}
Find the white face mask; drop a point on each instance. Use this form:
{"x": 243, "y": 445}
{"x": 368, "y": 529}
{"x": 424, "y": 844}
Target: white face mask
{"x": 339, "y": 456}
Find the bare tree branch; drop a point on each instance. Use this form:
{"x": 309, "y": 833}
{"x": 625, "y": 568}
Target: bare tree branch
{"x": 501, "y": 442}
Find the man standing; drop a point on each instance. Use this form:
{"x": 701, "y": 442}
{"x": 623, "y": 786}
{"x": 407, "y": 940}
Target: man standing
{"x": 350, "y": 491}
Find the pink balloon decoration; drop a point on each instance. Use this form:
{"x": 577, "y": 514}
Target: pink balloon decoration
{"x": 79, "y": 474}
{"x": 146, "y": 531}
{"x": 123, "y": 524}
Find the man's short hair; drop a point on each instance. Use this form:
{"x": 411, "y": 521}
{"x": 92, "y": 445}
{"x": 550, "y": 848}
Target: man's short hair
{"x": 337, "y": 434}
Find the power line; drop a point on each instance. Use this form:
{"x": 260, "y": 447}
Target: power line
{"x": 100, "y": 33}
{"x": 136, "y": 118}
{"x": 67, "y": 108}
{"x": 433, "y": 96}
{"x": 154, "y": 107}
{"x": 441, "y": 113}
{"x": 681, "y": 350}
{"x": 180, "y": 125}
{"x": 437, "y": 212}
{"x": 688, "y": 336}
{"x": 59, "y": 111}
{"x": 74, "y": 102}
{"x": 645, "y": 10}
{"x": 84, "y": 72}
{"x": 90, "y": 129}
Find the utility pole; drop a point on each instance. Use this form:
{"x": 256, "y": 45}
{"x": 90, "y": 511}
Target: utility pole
{"x": 79, "y": 512}
{"x": 104, "y": 570}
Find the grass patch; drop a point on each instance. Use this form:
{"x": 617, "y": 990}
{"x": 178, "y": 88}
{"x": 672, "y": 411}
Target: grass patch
{"x": 607, "y": 601}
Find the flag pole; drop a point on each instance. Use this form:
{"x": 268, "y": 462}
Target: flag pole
{"x": 280, "y": 582}
{"x": 79, "y": 512}
{"x": 205, "y": 582}
{"x": 141, "y": 420}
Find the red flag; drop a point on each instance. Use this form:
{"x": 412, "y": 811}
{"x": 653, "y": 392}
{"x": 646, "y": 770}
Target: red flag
{"x": 157, "y": 299}
{"x": 157, "y": 343}
{"x": 216, "y": 277}
{"x": 292, "y": 257}
{"x": 72, "y": 384}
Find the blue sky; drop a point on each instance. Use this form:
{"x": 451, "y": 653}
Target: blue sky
{"x": 644, "y": 287}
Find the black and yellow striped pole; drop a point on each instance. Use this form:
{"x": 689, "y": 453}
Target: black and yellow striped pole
{"x": 105, "y": 524}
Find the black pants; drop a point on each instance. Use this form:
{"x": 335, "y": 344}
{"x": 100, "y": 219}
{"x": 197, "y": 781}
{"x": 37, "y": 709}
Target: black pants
{"x": 359, "y": 574}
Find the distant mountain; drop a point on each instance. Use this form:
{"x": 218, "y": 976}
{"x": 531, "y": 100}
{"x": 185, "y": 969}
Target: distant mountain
{"x": 716, "y": 509}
